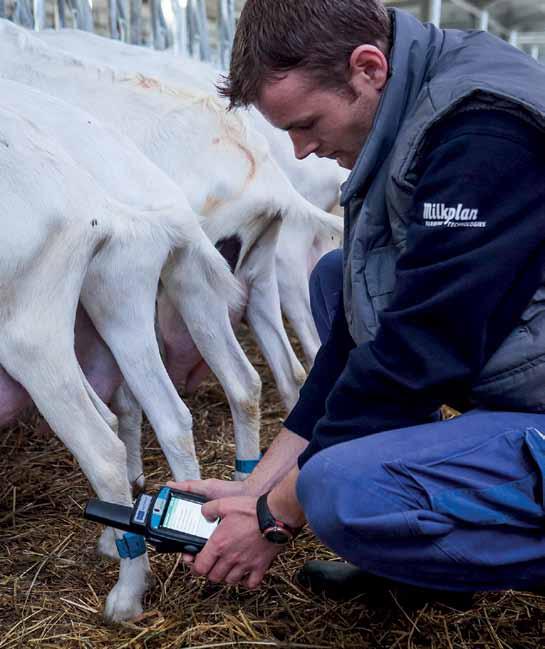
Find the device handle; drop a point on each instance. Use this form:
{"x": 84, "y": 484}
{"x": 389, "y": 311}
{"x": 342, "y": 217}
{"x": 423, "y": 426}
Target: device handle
{"x": 118, "y": 516}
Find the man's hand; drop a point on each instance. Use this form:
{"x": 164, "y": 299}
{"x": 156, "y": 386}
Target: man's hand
{"x": 212, "y": 489}
{"x": 236, "y": 553}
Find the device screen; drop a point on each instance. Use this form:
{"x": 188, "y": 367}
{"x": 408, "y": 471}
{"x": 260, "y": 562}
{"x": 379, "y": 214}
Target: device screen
{"x": 185, "y": 516}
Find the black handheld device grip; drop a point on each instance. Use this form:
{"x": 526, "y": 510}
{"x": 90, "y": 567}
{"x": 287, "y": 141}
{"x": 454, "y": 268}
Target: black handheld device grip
{"x": 118, "y": 516}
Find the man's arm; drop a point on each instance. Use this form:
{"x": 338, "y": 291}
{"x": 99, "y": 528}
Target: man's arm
{"x": 276, "y": 463}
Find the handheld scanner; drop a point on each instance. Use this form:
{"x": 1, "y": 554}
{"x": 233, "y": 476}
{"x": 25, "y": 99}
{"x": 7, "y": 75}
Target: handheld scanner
{"x": 171, "y": 520}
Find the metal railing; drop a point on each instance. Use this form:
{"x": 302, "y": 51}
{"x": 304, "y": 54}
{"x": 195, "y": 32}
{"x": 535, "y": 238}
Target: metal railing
{"x": 533, "y": 43}
{"x": 181, "y": 25}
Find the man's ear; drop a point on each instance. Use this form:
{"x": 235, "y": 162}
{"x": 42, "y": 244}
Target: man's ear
{"x": 368, "y": 67}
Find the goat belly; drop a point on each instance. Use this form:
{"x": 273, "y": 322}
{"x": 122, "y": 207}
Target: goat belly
{"x": 13, "y": 398}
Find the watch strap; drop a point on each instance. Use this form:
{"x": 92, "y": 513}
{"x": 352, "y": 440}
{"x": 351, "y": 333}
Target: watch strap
{"x": 267, "y": 521}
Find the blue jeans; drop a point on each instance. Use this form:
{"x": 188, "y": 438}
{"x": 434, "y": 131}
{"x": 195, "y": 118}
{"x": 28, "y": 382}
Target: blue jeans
{"x": 454, "y": 505}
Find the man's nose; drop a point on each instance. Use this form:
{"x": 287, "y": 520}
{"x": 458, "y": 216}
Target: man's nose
{"x": 303, "y": 146}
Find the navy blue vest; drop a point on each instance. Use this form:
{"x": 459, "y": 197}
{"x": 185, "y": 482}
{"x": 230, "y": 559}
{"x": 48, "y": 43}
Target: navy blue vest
{"x": 435, "y": 73}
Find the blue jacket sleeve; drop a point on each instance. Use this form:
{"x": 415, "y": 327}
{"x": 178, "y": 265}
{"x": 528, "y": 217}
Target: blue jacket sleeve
{"x": 459, "y": 290}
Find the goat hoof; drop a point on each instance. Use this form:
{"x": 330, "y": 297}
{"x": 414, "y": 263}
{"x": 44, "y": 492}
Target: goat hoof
{"x": 122, "y": 606}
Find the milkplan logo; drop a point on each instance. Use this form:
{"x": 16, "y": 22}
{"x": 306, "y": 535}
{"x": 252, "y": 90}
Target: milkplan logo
{"x": 453, "y": 217}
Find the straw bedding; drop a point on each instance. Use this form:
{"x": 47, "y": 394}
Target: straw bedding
{"x": 53, "y": 585}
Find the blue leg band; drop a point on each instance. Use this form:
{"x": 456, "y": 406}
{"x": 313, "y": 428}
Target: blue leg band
{"x": 246, "y": 466}
{"x": 130, "y": 546}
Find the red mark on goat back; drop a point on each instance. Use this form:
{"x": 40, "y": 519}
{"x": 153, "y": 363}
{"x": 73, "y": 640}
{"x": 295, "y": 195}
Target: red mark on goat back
{"x": 147, "y": 82}
{"x": 251, "y": 161}
{"x": 216, "y": 140}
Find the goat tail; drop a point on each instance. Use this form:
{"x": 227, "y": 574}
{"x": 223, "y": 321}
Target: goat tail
{"x": 329, "y": 225}
{"x": 200, "y": 268}
{"x": 325, "y": 225}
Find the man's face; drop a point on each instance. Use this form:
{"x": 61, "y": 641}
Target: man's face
{"x": 330, "y": 123}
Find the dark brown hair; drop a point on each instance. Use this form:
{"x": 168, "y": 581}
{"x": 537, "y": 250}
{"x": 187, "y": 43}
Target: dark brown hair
{"x": 275, "y": 36}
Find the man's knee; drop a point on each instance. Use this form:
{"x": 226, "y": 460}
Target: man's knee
{"x": 353, "y": 502}
{"x": 316, "y": 497}
{"x": 333, "y": 499}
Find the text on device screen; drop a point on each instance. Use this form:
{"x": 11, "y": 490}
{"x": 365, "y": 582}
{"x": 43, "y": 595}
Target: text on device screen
{"x": 185, "y": 516}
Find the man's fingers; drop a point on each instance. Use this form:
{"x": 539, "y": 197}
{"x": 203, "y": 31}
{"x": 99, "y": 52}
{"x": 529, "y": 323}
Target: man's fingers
{"x": 220, "y": 570}
{"x": 192, "y": 486}
{"x": 188, "y": 558}
{"x": 180, "y": 486}
{"x": 210, "y": 488}
{"x": 205, "y": 560}
{"x": 211, "y": 509}
{"x": 236, "y": 575}
{"x": 254, "y": 578}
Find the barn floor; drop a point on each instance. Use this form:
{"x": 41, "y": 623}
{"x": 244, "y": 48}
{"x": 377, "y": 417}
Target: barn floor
{"x": 53, "y": 585}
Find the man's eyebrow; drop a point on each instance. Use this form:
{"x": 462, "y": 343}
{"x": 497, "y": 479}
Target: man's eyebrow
{"x": 296, "y": 124}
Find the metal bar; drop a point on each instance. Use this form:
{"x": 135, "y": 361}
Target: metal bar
{"x": 198, "y": 30}
{"x": 467, "y": 6}
{"x": 484, "y": 20}
{"x": 435, "y": 8}
{"x": 514, "y": 37}
{"x": 476, "y": 11}
{"x": 80, "y": 12}
{"x": 531, "y": 38}
{"x": 112, "y": 19}
{"x": 166, "y": 18}
{"x": 202, "y": 27}
{"x": 493, "y": 3}
{"x": 226, "y": 30}
{"x": 71, "y": 12}
{"x": 83, "y": 14}
{"x": 135, "y": 7}
{"x": 179, "y": 27}
{"x": 87, "y": 15}
{"x": 157, "y": 25}
{"x": 206, "y": 53}
{"x": 123, "y": 20}
{"x": 534, "y": 52}
{"x": 23, "y": 14}
{"x": 60, "y": 14}
{"x": 193, "y": 36}
{"x": 38, "y": 9}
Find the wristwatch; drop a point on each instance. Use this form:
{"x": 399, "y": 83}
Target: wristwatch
{"x": 272, "y": 529}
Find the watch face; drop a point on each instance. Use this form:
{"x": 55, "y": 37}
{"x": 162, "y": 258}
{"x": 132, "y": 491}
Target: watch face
{"x": 277, "y": 535}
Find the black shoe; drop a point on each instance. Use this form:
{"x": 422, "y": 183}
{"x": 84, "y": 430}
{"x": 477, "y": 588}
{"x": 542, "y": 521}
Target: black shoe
{"x": 340, "y": 581}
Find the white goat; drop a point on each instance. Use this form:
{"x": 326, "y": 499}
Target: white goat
{"x": 223, "y": 166}
{"x": 300, "y": 244}
{"x": 42, "y": 68}
{"x": 87, "y": 217}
